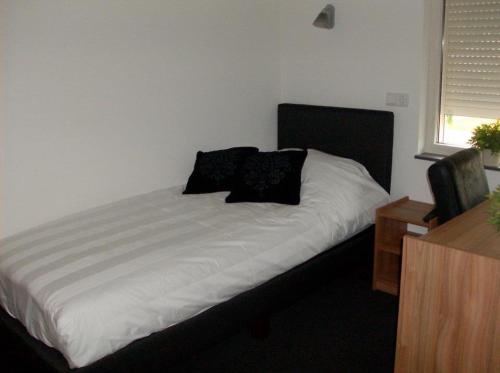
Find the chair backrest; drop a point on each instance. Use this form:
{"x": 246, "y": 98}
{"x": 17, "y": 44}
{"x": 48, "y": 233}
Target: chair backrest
{"x": 458, "y": 183}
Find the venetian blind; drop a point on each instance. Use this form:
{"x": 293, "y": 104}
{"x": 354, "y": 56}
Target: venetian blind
{"x": 471, "y": 58}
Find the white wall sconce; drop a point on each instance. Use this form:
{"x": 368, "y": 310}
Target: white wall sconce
{"x": 326, "y": 18}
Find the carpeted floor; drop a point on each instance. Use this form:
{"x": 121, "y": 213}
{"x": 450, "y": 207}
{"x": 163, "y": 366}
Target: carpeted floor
{"x": 342, "y": 327}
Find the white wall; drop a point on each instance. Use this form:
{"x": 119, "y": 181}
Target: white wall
{"x": 2, "y": 112}
{"x": 375, "y": 47}
{"x": 107, "y": 99}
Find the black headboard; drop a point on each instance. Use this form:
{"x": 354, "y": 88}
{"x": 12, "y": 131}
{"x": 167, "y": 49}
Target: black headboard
{"x": 363, "y": 135}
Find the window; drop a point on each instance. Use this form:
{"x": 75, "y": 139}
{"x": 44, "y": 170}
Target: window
{"x": 469, "y": 75}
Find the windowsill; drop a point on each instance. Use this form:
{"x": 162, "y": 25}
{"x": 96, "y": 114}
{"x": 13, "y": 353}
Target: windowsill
{"x": 436, "y": 157}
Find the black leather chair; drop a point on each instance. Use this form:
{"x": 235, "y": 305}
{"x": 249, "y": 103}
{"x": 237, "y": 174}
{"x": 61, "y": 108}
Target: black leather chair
{"x": 458, "y": 183}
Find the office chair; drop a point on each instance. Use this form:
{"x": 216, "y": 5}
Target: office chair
{"x": 458, "y": 183}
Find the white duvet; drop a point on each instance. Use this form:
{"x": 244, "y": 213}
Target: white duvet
{"x": 91, "y": 283}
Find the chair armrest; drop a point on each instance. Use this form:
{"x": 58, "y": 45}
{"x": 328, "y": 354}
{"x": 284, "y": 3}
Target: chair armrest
{"x": 431, "y": 215}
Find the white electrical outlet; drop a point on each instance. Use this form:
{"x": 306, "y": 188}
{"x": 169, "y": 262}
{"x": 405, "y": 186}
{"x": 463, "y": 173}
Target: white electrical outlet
{"x": 397, "y": 99}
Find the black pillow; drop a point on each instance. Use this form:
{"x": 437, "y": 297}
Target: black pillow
{"x": 269, "y": 177}
{"x": 215, "y": 171}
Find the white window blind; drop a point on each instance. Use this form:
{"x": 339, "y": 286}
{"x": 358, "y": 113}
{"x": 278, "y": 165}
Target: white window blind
{"x": 471, "y": 59}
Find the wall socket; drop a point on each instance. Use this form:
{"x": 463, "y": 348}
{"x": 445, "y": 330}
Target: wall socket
{"x": 397, "y": 99}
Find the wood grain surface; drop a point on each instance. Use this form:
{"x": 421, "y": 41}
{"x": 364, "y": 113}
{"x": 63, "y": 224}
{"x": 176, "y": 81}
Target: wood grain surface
{"x": 449, "y": 312}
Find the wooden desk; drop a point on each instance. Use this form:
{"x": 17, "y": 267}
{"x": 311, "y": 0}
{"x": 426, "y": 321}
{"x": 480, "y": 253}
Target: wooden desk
{"x": 449, "y": 309}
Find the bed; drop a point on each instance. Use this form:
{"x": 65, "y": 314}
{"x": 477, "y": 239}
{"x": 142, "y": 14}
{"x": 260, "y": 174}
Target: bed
{"x": 219, "y": 242}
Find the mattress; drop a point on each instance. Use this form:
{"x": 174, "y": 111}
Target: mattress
{"x": 93, "y": 282}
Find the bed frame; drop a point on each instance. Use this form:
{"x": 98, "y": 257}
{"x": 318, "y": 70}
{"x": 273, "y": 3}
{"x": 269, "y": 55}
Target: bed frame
{"x": 363, "y": 135}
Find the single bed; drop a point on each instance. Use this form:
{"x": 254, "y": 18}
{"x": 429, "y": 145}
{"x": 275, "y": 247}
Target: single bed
{"x": 144, "y": 281}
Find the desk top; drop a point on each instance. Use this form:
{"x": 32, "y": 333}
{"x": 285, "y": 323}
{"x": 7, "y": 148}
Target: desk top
{"x": 469, "y": 232}
{"x": 407, "y": 211}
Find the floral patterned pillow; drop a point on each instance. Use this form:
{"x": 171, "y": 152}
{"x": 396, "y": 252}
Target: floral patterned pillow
{"x": 215, "y": 171}
{"x": 269, "y": 177}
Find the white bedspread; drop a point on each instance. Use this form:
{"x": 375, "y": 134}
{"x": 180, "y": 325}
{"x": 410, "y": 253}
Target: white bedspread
{"x": 93, "y": 282}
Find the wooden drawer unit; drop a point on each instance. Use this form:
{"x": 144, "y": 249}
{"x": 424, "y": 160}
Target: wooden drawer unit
{"x": 391, "y": 226}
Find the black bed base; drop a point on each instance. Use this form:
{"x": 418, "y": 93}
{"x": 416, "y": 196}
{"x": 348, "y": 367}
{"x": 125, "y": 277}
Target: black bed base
{"x": 162, "y": 350}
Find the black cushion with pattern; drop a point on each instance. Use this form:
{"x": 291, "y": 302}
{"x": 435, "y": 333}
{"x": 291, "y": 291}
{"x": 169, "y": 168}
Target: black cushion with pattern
{"x": 215, "y": 171}
{"x": 269, "y": 177}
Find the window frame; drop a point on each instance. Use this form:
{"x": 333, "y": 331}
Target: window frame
{"x": 434, "y": 26}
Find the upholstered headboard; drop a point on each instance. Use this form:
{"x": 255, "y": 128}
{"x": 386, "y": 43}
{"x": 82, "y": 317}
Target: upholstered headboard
{"x": 363, "y": 135}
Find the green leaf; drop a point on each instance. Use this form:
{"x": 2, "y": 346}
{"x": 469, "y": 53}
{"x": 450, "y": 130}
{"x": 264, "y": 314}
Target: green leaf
{"x": 487, "y": 136}
{"x": 494, "y": 209}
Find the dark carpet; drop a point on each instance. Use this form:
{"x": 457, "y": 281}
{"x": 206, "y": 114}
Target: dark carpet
{"x": 342, "y": 327}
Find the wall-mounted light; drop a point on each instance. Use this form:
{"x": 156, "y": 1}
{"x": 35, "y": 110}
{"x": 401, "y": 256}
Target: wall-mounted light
{"x": 326, "y": 18}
